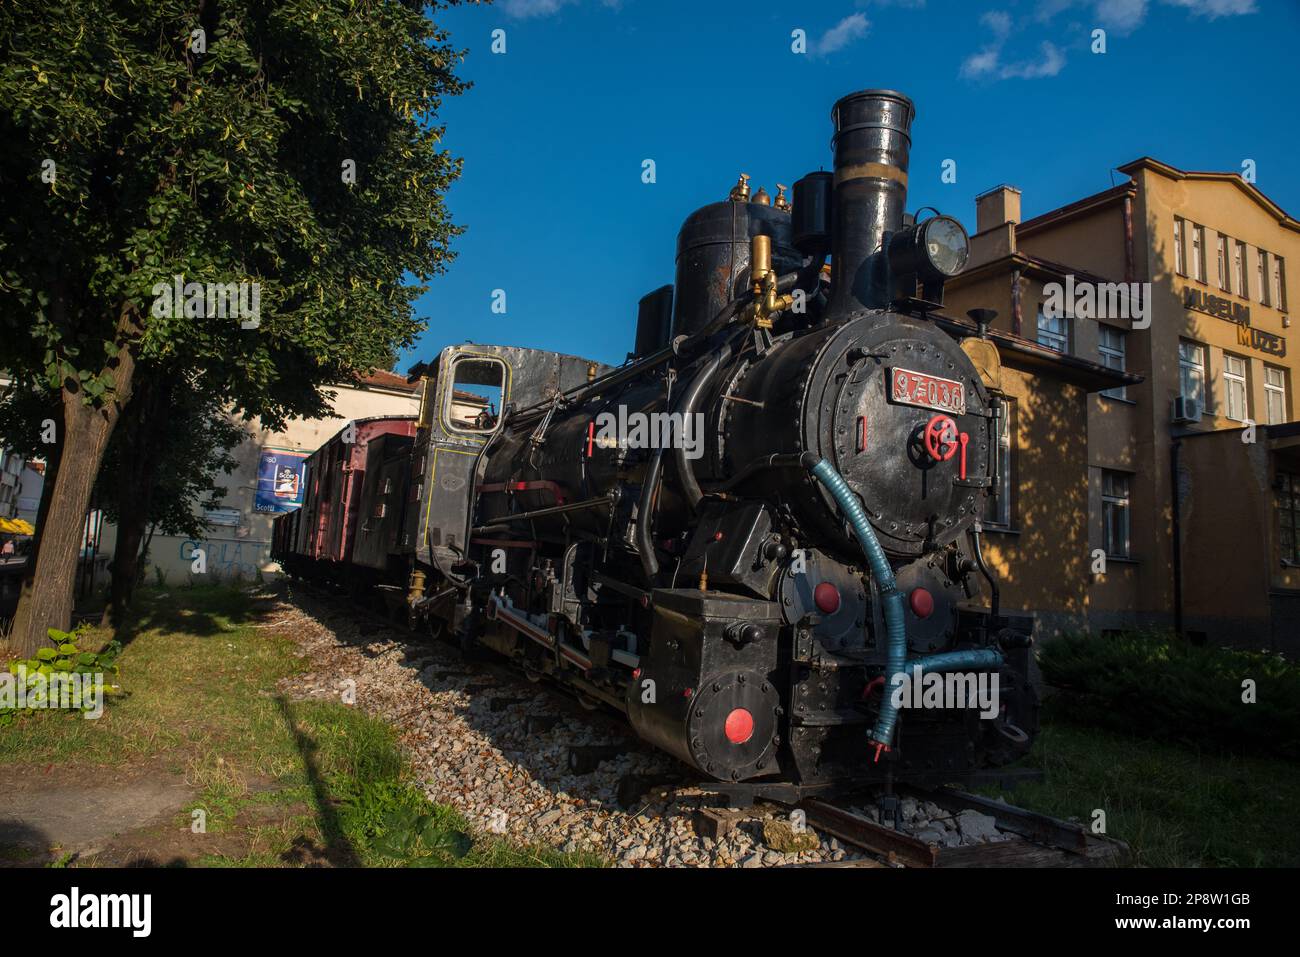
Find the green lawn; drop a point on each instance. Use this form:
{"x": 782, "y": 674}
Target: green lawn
{"x": 1175, "y": 806}
{"x": 285, "y": 782}
{"x": 281, "y": 782}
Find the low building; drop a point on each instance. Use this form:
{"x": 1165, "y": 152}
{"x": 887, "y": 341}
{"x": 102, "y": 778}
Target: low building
{"x": 1180, "y": 276}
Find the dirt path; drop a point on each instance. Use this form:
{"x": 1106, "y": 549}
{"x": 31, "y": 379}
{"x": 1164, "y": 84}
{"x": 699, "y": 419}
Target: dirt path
{"x": 44, "y": 816}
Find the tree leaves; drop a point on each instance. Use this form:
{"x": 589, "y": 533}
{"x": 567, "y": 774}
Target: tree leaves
{"x": 223, "y": 167}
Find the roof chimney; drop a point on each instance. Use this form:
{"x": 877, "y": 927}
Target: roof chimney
{"x": 999, "y": 205}
{"x": 997, "y": 213}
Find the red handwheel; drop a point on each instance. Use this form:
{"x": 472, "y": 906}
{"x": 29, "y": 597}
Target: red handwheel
{"x": 941, "y": 438}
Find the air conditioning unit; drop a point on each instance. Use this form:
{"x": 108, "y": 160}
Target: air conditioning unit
{"x": 1187, "y": 410}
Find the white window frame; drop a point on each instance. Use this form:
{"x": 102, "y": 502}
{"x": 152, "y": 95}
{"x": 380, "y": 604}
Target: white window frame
{"x": 1116, "y": 500}
{"x": 1279, "y": 283}
{"x": 1236, "y": 391}
{"x": 1261, "y": 271}
{"x": 1198, "y": 252}
{"x": 1240, "y": 282}
{"x": 1112, "y": 347}
{"x": 1178, "y": 246}
{"x": 1187, "y": 367}
{"x": 1054, "y": 335}
{"x": 1275, "y": 392}
{"x": 1222, "y": 256}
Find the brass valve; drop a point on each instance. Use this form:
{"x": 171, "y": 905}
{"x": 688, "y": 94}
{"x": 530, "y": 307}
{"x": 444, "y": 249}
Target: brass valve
{"x": 781, "y": 202}
{"x": 763, "y": 285}
{"x": 740, "y": 192}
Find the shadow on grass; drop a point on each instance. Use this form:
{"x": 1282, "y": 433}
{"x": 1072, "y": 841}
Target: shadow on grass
{"x": 203, "y": 610}
{"x": 338, "y": 850}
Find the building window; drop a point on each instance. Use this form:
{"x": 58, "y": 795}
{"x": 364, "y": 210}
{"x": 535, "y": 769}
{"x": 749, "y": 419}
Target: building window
{"x": 1234, "y": 387}
{"x": 1053, "y": 331}
{"x": 1178, "y": 246}
{"x": 1221, "y": 258}
{"x": 1279, "y": 283}
{"x": 1198, "y": 253}
{"x": 1275, "y": 394}
{"x": 1288, "y": 513}
{"x": 1239, "y": 270}
{"x": 1111, "y": 348}
{"x": 1191, "y": 371}
{"x": 1115, "y": 513}
{"x": 997, "y": 507}
{"x": 1261, "y": 275}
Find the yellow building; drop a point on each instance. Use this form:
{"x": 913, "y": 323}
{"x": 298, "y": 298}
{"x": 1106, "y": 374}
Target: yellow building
{"x": 1180, "y": 277}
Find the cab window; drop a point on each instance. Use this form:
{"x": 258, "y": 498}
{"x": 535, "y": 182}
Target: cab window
{"x": 475, "y": 397}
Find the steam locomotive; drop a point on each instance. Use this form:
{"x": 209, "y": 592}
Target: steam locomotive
{"x": 753, "y": 535}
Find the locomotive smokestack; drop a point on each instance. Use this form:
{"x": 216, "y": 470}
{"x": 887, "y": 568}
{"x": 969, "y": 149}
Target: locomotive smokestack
{"x": 871, "y": 143}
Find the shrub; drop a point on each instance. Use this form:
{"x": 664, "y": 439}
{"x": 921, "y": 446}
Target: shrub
{"x": 1161, "y": 687}
{"x": 41, "y": 679}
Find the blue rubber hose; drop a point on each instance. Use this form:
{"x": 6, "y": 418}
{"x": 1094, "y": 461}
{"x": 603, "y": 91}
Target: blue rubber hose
{"x": 896, "y": 663}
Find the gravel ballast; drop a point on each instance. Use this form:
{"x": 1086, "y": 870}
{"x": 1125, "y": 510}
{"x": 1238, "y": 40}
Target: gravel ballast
{"x": 463, "y": 725}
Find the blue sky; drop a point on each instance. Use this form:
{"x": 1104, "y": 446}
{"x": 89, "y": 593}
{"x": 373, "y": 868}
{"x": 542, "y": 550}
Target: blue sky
{"x": 554, "y": 131}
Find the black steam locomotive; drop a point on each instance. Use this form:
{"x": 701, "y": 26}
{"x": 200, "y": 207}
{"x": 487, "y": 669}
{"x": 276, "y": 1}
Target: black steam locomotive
{"x": 754, "y": 537}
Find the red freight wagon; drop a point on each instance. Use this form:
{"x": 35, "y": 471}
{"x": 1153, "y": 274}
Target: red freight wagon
{"x": 324, "y": 530}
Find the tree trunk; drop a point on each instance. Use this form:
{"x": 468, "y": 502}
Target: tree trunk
{"x": 139, "y": 430}
{"x": 48, "y": 590}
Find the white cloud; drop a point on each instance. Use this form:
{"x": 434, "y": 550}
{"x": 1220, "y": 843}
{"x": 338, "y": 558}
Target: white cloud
{"x": 526, "y": 9}
{"x": 1215, "y": 8}
{"x": 1125, "y": 16}
{"x": 1121, "y": 16}
{"x": 851, "y": 28}
{"x": 988, "y": 62}
{"x": 1050, "y": 64}
{"x": 980, "y": 64}
{"x": 998, "y": 22}
{"x": 523, "y": 9}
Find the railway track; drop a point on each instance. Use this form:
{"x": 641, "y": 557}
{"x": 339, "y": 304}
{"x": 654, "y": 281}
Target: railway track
{"x": 1029, "y": 839}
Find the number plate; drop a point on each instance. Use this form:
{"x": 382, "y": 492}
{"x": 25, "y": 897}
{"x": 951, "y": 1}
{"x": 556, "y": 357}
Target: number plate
{"x": 927, "y": 391}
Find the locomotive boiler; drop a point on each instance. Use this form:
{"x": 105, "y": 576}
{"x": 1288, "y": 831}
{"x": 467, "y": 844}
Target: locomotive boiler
{"x": 752, "y": 537}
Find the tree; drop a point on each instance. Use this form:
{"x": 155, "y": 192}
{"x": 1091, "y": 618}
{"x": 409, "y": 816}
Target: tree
{"x": 287, "y": 153}
{"x": 167, "y": 451}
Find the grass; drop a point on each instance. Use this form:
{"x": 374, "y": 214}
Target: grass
{"x": 1174, "y": 805}
{"x": 278, "y": 781}
{"x": 285, "y": 782}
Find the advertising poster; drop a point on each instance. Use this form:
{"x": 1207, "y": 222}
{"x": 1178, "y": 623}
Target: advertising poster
{"x": 280, "y": 479}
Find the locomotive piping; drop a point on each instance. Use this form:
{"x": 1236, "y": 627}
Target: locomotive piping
{"x": 645, "y": 548}
{"x": 896, "y": 631}
{"x": 685, "y": 471}
{"x": 994, "y": 596}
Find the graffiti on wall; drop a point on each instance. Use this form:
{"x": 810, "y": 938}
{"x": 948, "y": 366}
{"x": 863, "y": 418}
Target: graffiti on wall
{"x": 228, "y": 559}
